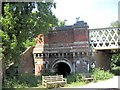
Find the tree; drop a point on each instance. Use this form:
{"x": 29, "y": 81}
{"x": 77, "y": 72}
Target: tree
{"x": 61, "y": 22}
{"x": 115, "y": 24}
{"x": 20, "y": 25}
{"x": 116, "y": 57}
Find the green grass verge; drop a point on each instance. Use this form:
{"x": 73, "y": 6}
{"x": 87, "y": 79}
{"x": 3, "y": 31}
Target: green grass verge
{"x": 74, "y": 84}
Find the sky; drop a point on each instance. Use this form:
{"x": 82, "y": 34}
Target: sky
{"x": 97, "y": 13}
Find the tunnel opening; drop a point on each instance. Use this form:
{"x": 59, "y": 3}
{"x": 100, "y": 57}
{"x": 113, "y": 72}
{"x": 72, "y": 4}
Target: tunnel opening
{"x": 62, "y": 68}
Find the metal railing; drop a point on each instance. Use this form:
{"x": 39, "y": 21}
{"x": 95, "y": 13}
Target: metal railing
{"x": 104, "y": 38}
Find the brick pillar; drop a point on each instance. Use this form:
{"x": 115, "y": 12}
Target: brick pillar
{"x": 38, "y": 66}
{"x": 38, "y": 55}
{"x": 103, "y": 60}
{"x": 73, "y": 67}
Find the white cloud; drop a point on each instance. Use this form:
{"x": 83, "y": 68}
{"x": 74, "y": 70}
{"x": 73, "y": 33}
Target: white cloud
{"x": 97, "y": 13}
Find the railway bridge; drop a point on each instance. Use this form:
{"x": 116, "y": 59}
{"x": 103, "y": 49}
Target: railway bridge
{"x": 104, "y": 42}
{"x": 70, "y": 49}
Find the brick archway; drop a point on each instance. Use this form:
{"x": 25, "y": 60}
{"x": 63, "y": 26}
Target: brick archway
{"x": 62, "y": 66}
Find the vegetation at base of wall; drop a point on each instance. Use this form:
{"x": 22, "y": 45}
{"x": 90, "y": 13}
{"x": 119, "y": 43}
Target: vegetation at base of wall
{"x": 30, "y": 79}
{"x": 23, "y": 81}
{"x": 74, "y": 77}
{"x": 14, "y": 83}
{"x": 115, "y": 64}
{"x": 116, "y": 70}
{"x": 74, "y": 84}
{"x": 99, "y": 74}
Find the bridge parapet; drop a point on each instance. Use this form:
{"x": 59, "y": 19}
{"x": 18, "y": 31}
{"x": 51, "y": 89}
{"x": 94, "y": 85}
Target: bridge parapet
{"x": 104, "y": 38}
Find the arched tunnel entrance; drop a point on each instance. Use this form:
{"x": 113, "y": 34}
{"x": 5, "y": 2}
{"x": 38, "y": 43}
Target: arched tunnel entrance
{"x": 62, "y": 68}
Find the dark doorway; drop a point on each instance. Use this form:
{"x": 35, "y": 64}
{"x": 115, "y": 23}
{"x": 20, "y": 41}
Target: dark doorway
{"x": 62, "y": 68}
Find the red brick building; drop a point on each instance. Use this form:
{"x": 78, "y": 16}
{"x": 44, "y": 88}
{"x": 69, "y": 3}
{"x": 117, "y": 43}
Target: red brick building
{"x": 73, "y": 48}
{"x": 65, "y": 50}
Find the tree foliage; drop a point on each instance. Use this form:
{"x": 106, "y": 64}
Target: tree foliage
{"x": 115, "y": 24}
{"x": 115, "y": 57}
{"x": 116, "y": 60}
{"x": 61, "y": 22}
{"x": 21, "y": 24}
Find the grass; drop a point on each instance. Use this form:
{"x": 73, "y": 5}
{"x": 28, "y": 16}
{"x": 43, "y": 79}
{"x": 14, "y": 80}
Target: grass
{"x": 73, "y": 80}
{"x": 74, "y": 84}
{"x": 39, "y": 86}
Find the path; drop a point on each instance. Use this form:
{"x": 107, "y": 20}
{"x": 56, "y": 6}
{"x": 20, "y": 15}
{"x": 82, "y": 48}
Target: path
{"x": 111, "y": 83}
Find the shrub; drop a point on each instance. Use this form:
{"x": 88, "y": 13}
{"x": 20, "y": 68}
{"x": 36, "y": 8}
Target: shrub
{"x": 74, "y": 77}
{"x": 99, "y": 74}
{"x": 30, "y": 79}
{"x": 13, "y": 83}
{"x": 23, "y": 81}
{"x": 116, "y": 70}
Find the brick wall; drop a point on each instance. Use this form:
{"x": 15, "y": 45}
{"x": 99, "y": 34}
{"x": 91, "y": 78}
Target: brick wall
{"x": 67, "y": 36}
{"x": 80, "y": 35}
{"x": 26, "y": 62}
{"x": 56, "y": 37}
